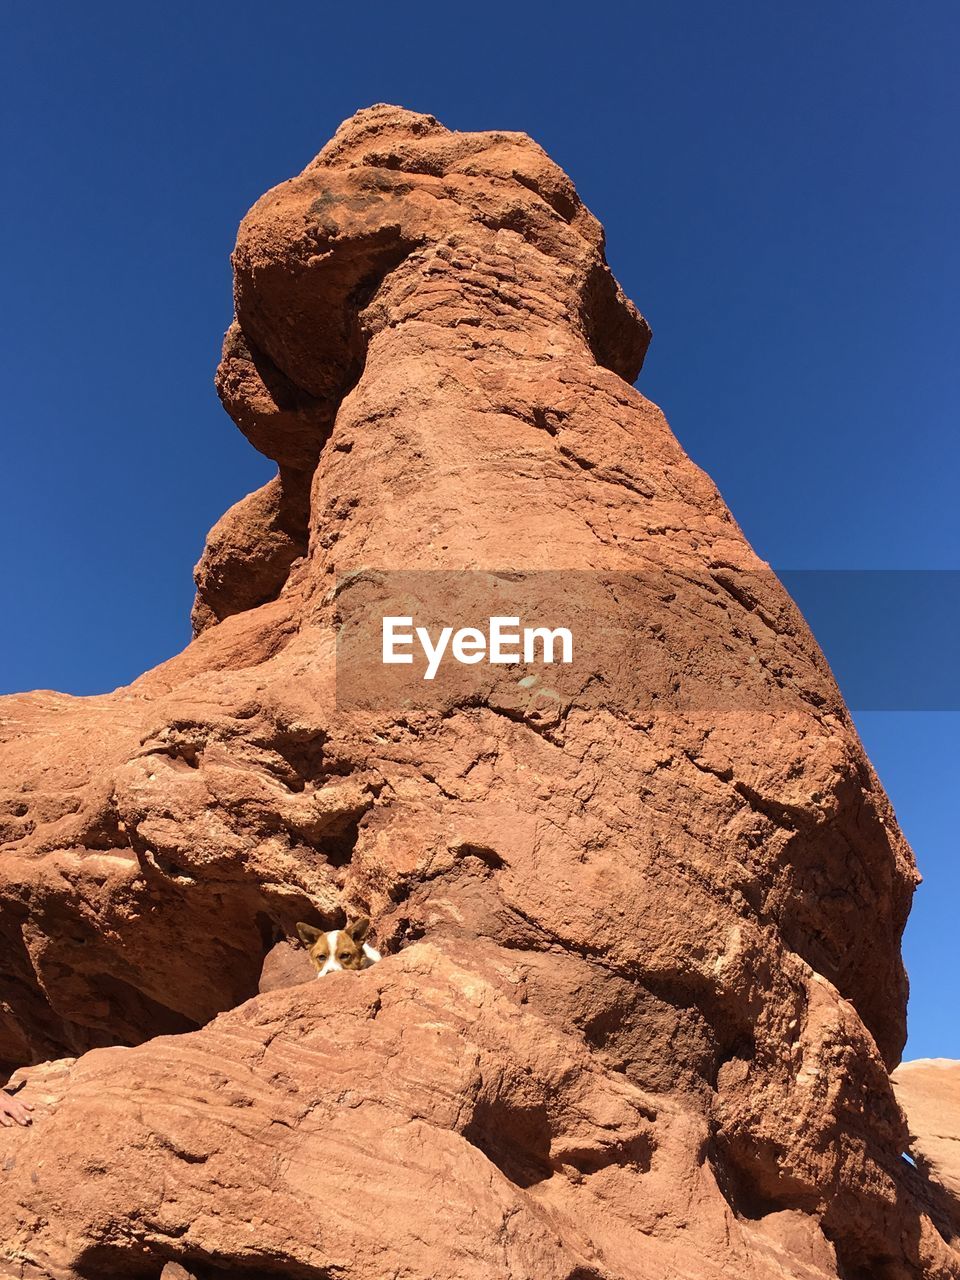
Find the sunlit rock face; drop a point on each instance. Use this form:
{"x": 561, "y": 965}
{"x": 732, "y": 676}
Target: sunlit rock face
{"x": 640, "y": 913}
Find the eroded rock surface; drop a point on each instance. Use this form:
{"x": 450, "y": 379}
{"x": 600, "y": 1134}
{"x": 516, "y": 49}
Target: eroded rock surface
{"x": 642, "y": 982}
{"x": 928, "y": 1090}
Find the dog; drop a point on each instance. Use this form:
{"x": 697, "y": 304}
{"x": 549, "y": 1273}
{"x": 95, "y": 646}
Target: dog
{"x": 338, "y": 949}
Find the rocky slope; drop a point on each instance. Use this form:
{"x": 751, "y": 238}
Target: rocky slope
{"x": 928, "y": 1090}
{"x": 642, "y": 983}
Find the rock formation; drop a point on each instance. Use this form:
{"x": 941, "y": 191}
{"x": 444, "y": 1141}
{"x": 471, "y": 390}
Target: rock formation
{"x": 641, "y": 985}
{"x": 928, "y": 1089}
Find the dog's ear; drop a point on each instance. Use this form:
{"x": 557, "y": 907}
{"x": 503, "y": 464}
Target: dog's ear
{"x": 308, "y": 933}
{"x": 357, "y": 929}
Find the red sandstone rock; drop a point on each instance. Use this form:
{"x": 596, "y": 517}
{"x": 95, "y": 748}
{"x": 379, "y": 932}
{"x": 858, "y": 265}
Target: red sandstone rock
{"x": 251, "y": 549}
{"x": 286, "y": 965}
{"x": 641, "y": 920}
{"x": 928, "y": 1090}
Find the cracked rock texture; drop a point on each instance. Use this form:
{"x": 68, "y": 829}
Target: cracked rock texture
{"x": 641, "y": 986}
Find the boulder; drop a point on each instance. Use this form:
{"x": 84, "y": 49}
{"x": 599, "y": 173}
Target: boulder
{"x": 640, "y": 913}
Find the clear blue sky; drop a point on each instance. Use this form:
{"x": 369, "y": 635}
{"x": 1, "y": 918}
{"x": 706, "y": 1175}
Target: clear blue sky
{"x": 780, "y": 191}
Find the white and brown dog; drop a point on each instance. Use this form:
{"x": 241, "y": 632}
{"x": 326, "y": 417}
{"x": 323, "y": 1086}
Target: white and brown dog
{"x": 338, "y": 949}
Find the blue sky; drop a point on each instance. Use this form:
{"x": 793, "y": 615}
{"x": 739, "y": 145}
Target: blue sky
{"x": 780, "y": 192}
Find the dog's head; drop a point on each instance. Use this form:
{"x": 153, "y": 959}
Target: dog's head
{"x": 336, "y": 949}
